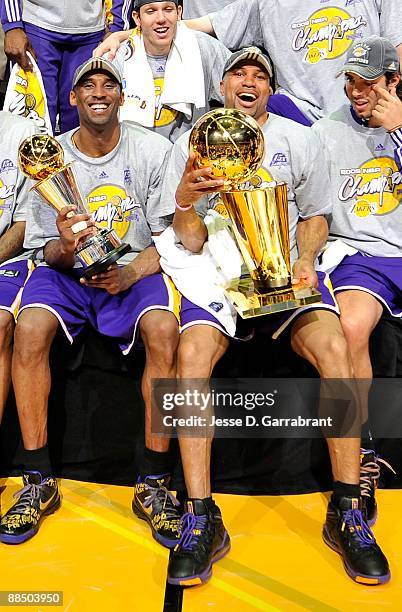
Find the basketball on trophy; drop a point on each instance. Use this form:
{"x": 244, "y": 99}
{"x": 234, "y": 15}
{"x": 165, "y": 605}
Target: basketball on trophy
{"x": 40, "y": 156}
{"x": 230, "y": 142}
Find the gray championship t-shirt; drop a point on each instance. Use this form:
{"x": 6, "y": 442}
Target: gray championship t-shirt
{"x": 14, "y": 187}
{"x": 171, "y": 123}
{"x": 122, "y": 190}
{"x": 366, "y": 184}
{"x": 292, "y": 154}
{"x": 308, "y": 41}
{"x": 198, "y": 8}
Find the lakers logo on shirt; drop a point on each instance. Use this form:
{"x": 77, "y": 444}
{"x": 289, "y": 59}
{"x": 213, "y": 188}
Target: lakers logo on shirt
{"x": 261, "y": 179}
{"x": 326, "y": 34}
{"x": 373, "y": 189}
{"x": 112, "y": 208}
{"x": 163, "y": 114}
{"x": 6, "y": 191}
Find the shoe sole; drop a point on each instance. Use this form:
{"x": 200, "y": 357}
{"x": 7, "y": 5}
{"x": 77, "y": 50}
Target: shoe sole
{"x": 205, "y": 576}
{"x": 11, "y": 539}
{"x": 356, "y": 577}
{"x": 166, "y": 542}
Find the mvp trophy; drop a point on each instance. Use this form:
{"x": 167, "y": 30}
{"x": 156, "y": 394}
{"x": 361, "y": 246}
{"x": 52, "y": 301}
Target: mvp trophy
{"x": 232, "y": 144}
{"x": 41, "y": 158}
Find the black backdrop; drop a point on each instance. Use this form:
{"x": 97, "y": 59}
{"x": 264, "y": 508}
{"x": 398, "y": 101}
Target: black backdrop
{"x": 96, "y": 418}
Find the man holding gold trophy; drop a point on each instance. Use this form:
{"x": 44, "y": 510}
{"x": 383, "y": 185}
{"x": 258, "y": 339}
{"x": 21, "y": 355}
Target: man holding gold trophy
{"x": 292, "y": 157}
{"x": 119, "y": 168}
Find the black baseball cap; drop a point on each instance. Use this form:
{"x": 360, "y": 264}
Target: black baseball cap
{"x": 371, "y": 57}
{"x": 249, "y": 53}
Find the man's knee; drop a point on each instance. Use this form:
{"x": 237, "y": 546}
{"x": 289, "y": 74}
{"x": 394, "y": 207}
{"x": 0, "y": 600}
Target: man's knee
{"x": 160, "y": 334}
{"x": 356, "y": 332}
{"x": 34, "y": 333}
{"x": 197, "y": 357}
{"x": 6, "y": 329}
{"x": 331, "y": 346}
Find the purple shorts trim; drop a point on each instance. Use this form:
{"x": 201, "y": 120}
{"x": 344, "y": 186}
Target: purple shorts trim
{"x": 276, "y": 324}
{"x": 381, "y": 277}
{"x": 13, "y": 277}
{"x": 116, "y": 316}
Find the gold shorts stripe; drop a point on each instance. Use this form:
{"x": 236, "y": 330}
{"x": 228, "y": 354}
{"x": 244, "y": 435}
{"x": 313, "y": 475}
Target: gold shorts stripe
{"x": 15, "y": 306}
{"x": 174, "y": 295}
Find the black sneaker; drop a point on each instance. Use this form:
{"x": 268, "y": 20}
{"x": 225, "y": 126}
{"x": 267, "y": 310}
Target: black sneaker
{"x": 38, "y": 498}
{"x": 203, "y": 541}
{"x": 369, "y": 477}
{"x": 346, "y": 531}
{"x": 154, "y": 503}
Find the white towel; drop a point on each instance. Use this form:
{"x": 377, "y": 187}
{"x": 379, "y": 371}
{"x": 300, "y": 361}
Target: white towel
{"x": 183, "y": 83}
{"x": 333, "y": 254}
{"x": 223, "y": 247}
{"x": 26, "y": 96}
{"x": 197, "y": 277}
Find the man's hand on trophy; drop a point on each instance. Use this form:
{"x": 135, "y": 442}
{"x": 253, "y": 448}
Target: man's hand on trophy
{"x": 16, "y": 45}
{"x": 195, "y": 183}
{"x": 304, "y": 273}
{"x": 73, "y": 228}
{"x": 115, "y": 279}
{"x": 388, "y": 110}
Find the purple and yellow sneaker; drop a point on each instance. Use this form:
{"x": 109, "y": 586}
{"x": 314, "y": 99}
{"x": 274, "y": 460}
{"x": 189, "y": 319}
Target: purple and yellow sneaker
{"x": 203, "y": 541}
{"x": 346, "y": 531}
{"x": 154, "y": 503}
{"x": 38, "y": 498}
{"x": 370, "y": 470}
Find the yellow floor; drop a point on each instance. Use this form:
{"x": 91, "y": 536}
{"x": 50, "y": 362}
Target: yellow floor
{"x": 103, "y": 559}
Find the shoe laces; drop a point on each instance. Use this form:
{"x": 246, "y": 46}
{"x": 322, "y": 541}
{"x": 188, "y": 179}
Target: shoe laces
{"x": 354, "y": 520}
{"x": 28, "y": 494}
{"x": 162, "y": 495}
{"x": 370, "y": 474}
{"x": 191, "y": 527}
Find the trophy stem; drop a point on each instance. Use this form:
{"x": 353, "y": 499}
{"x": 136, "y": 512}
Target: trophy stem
{"x": 261, "y": 227}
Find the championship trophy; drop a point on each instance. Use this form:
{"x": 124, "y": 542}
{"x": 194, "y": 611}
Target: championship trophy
{"x": 232, "y": 144}
{"x": 41, "y": 158}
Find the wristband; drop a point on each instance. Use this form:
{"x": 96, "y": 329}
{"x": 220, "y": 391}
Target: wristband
{"x": 182, "y": 208}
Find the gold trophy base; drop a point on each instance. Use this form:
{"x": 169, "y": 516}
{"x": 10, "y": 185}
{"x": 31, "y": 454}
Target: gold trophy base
{"x": 249, "y": 303}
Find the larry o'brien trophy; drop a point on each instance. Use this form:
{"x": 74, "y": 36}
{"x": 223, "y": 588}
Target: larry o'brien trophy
{"x": 41, "y": 158}
{"x": 232, "y": 144}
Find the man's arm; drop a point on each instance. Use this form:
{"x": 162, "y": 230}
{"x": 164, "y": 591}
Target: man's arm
{"x": 202, "y": 24}
{"x": 194, "y": 184}
{"x": 311, "y": 235}
{"x": 112, "y": 43}
{"x": 119, "y": 278}
{"x": 60, "y": 253}
{"x": 11, "y": 242}
{"x": 16, "y": 42}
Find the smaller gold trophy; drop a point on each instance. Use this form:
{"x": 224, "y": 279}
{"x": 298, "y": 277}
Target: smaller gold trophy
{"x": 41, "y": 158}
{"x": 232, "y": 144}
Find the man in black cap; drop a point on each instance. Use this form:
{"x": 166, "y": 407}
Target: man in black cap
{"x": 292, "y": 155}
